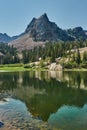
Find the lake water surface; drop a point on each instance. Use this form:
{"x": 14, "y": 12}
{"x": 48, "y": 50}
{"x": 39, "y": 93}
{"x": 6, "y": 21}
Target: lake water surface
{"x": 43, "y": 100}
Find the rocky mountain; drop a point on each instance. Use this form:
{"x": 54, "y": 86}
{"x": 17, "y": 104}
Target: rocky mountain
{"x": 25, "y": 42}
{"x": 77, "y": 33}
{"x": 38, "y": 32}
{"x": 4, "y": 38}
{"x": 41, "y": 30}
{"x": 85, "y": 32}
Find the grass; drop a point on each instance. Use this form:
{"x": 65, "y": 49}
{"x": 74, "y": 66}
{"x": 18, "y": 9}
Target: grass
{"x": 11, "y": 68}
{"x": 17, "y": 67}
{"x": 21, "y": 67}
{"x": 76, "y": 69}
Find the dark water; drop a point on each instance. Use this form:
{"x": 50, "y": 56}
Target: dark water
{"x": 27, "y": 99}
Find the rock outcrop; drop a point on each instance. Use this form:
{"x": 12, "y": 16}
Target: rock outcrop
{"x": 77, "y": 33}
{"x": 42, "y": 29}
{"x": 56, "y": 67}
{"x": 4, "y": 38}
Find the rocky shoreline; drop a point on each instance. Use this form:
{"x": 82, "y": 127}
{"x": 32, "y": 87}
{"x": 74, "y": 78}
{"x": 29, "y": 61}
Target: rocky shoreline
{"x": 12, "y": 123}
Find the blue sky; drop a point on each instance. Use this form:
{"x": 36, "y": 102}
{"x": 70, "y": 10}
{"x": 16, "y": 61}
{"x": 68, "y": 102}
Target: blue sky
{"x": 15, "y": 15}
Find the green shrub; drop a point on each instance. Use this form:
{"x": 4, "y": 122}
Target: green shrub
{"x": 41, "y": 63}
{"x": 28, "y": 65}
{"x": 67, "y": 65}
{"x": 74, "y": 65}
{"x": 12, "y": 65}
{"x": 84, "y": 65}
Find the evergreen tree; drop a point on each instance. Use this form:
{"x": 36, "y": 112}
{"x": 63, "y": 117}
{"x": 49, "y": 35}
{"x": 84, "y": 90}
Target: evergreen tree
{"x": 16, "y": 58}
{"x": 78, "y": 57}
{"x": 73, "y": 57}
{"x": 25, "y": 57}
{"x": 8, "y": 59}
{"x": 85, "y": 56}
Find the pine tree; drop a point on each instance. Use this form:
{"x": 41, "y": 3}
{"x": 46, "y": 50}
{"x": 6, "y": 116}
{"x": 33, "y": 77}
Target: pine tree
{"x": 73, "y": 57}
{"x": 85, "y": 56}
{"x": 16, "y": 58}
{"x": 25, "y": 57}
{"x": 78, "y": 57}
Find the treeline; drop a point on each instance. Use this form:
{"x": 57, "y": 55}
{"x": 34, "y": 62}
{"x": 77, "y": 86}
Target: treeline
{"x": 53, "y": 51}
{"x": 8, "y": 54}
{"x": 76, "y": 60}
{"x": 49, "y": 50}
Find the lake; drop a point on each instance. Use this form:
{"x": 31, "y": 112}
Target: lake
{"x": 43, "y": 100}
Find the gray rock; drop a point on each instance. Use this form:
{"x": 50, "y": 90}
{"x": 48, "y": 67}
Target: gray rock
{"x": 42, "y": 29}
{"x": 1, "y": 124}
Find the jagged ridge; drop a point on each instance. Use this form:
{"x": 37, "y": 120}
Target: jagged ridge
{"x": 40, "y": 30}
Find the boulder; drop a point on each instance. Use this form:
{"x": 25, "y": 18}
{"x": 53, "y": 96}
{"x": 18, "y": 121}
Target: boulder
{"x": 1, "y": 124}
{"x": 55, "y": 66}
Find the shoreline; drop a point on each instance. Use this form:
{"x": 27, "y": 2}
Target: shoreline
{"x": 19, "y": 69}
{"x": 75, "y": 69}
{"x": 22, "y": 67}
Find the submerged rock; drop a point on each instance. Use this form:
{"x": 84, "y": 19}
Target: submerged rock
{"x": 1, "y": 124}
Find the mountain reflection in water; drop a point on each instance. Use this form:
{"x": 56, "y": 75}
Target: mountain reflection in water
{"x": 50, "y": 96}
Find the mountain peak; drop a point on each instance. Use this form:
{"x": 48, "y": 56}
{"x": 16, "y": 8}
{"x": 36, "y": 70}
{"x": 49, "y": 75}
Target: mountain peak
{"x": 42, "y": 29}
{"x": 78, "y": 29}
{"x": 44, "y": 16}
{"x": 30, "y": 26}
